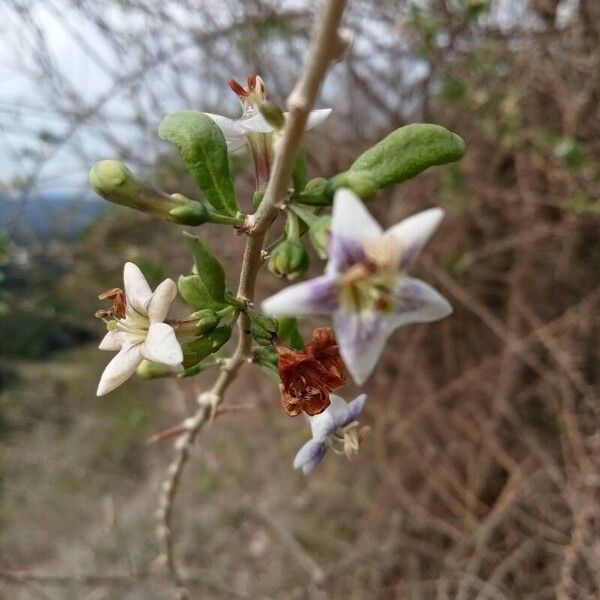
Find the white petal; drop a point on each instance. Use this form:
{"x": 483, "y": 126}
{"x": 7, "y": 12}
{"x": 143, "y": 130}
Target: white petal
{"x": 161, "y": 301}
{"x": 255, "y": 124}
{"x": 312, "y": 297}
{"x": 113, "y": 340}
{"x": 137, "y": 290}
{"x": 310, "y": 455}
{"x": 418, "y": 302}
{"x": 316, "y": 117}
{"x": 351, "y": 226}
{"x": 355, "y": 408}
{"x": 361, "y": 337}
{"x": 161, "y": 345}
{"x": 119, "y": 369}
{"x": 414, "y": 232}
{"x": 234, "y": 134}
{"x": 324, "y": 423}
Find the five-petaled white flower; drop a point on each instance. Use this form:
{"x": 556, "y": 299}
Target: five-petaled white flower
{"x": 138, "y": 330}
{"x": 337, "y": 428}
{"x": 254, "y": 128}
{"x": 366, "y": 287}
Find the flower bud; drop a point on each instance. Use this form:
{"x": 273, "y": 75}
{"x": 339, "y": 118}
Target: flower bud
{"x": 263, "y": 329}
{"x": 289, "y": 259}
{"x": 319, "y": 233}
{"x": 272, "y": 113}
{"x": 113, "y": 181}
{"x": 150, "y": 370}
{"x": 360, "y": 182}
{"x": 315, "y": 193}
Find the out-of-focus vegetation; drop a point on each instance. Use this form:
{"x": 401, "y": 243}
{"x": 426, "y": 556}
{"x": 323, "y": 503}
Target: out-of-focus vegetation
{"x": 480, "y": 476}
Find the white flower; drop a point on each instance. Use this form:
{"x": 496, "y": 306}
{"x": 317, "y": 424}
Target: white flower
{"x": 251, "y": 121}
{"x": 365, "y": 286}
{"x": 337, "y": 428}
{"x": 140, "y": 332}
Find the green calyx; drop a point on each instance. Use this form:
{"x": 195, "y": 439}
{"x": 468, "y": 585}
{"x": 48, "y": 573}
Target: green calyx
{"x": 263, "y": 329}
{"x": 150, "y": 370}
{"x": 289, "y": 259}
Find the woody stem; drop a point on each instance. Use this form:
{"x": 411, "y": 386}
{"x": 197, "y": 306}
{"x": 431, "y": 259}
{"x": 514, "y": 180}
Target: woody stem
{"x": 326, "y": 46}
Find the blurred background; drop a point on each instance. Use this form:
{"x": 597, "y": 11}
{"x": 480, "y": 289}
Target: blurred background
{"x": 480, "y": 479}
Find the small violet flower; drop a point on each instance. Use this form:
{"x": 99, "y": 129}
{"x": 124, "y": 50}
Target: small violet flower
{"x": 254, "y": 128}
{"x": 365, "y": 286}
{"x": 137, "y": 329}
{"x": 336, "y": 428}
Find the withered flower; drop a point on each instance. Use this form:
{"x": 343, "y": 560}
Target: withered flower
{"x": 308, "y": 376}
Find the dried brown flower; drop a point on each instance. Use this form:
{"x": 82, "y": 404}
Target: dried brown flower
{"x": 310, "y": 375}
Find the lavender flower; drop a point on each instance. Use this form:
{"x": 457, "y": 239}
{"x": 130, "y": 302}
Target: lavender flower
{"x": 366, "y": 286}
{"x": 337, "y": 428}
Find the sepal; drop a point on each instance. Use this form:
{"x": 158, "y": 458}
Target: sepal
{"x": 288, "y": 259}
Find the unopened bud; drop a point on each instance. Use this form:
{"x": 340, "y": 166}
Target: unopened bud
{"x": 289, "y": 259}
{"x": 319, "y": 233}
{"x": 112, "y": 180}
{"x": 272, "y": 113}
{"x": 263, "y": 329}
{"x": 316, "y": 193}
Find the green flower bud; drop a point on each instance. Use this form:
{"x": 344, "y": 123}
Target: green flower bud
{"x": 319, "y": 232}
{"x": 316, "y": 193}
{"x": 360, "y": 182}
{"x": 150, "y": 370}
{"x": 289, "y": 259}
{"x": 113, "y": 181}
{"x": 206, "y": 321}
{"x": 272, "y": 113}
{"x": 263, "y": 328}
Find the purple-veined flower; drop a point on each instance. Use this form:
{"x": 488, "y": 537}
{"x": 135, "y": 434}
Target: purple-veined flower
{"x": 137, "y": 329}
{"x": 366, "y": 286}
{"x": 253, "y": 128}
{"x": 336, "y": 428}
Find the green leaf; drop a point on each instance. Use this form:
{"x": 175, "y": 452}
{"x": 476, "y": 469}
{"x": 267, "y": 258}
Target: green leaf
{"x": 194, "y": 292}
{"x": 204, "y": 151}
{"x": 197, "y": 350}
{"x": 407, "y": 151}
{"x": 208, "y": 268}
{"x": 288, "y": 333}
{"x": 266, "y": 358}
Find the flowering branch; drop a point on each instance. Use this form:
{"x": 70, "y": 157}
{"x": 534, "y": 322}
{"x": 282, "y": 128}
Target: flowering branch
{"x": 327, "y": 45}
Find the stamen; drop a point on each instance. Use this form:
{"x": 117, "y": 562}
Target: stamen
{"x": 237, "y": 89}
{"x": 251, "y": 82}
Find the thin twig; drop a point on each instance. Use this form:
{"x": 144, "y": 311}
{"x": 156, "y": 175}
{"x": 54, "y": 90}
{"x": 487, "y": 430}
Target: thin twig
{"x": 326, "y": 46}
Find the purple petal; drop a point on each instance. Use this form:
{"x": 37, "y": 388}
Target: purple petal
{"x": 414, "y": 232}
{"x": 417, "y": 302}
{"x": 343, "y": 253}
{"x": 312, "y": 297}
{"x": 361, "y": 337}
{"x": 354, "y": 409}
{"x": 310, "y": 455}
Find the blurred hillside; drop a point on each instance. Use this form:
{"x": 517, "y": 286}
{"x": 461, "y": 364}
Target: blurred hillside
{"x": 480, "y": 477}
